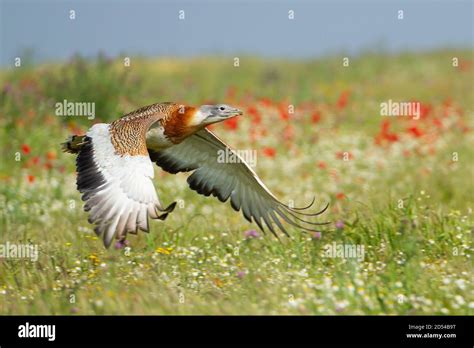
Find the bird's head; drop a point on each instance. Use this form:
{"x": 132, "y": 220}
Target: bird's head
{"x": 208, "y": 114}
{"x": 186, "y": 120}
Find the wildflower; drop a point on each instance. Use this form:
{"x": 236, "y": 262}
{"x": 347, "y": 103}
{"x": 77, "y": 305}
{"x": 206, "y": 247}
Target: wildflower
{"x": 26, "y": 149}
{"x": 322, "y": 165}
{"x": 240, "y": 274}
{"x": 385, "y": 133}
{"x": 339, "y": 224}
{"x": 415, "y": 131}
{"x": 51, "y": 155}
{"x": 284, "y": 115}
{"x": 231, "y": 123}
{"x": 94, "y": 258}
{"x": 31, "y": 178}
{"x": 343, "y": 99}
{"x": 315, "y": 117}
{"x": 251, "y": 234}
{"x": 256, "y": 118}
{"x": 340, "y": 195}
{"x": 218, "y": 282}
{"x": 425, "y": 109}
{"x": 266, "y": 102}
{"x": 460, "y": 283}
{"x": 164, "y": 251}
{"x": 316, "y": 235}
{"x": 269, "y": 152}
{"x": 121, "y": 244}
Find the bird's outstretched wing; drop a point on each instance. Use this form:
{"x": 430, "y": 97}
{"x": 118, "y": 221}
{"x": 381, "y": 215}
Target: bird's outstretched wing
{"x": 237, "y": 181}
{"x": 114, "y": 174}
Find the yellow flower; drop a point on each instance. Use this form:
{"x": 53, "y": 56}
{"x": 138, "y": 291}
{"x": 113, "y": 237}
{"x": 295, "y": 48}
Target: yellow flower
{"x": 164, "y": 251}
{"x": 218, "y": 282}
{"x": 95, "y": 260}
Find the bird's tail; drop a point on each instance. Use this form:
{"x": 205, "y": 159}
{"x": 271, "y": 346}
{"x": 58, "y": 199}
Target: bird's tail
{"x": 73, "y": 144}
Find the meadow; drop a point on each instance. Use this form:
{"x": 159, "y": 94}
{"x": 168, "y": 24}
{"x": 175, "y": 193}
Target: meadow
{"x": 400, "y": 187}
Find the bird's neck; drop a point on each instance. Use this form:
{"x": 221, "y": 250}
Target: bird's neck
{"x": 181, "y": 124}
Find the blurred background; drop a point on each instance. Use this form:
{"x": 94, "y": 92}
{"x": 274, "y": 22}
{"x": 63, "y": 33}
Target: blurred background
{"x": 44, "y": 30}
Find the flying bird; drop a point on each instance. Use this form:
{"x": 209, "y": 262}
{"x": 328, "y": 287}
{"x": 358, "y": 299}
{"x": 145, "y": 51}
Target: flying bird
{"x": 115, "y": 171}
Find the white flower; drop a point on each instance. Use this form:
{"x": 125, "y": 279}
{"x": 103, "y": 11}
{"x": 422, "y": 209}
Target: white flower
{"x": 460, "y": 283}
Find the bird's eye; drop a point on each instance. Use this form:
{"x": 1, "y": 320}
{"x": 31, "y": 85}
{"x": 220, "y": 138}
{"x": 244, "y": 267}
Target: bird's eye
{"x": 222, "y": 108}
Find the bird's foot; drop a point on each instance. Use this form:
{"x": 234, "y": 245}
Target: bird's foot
{"x": 166, "y": 211}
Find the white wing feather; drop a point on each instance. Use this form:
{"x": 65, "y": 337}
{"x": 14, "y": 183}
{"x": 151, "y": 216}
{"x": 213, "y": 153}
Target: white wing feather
{"x": 118, "y": 190}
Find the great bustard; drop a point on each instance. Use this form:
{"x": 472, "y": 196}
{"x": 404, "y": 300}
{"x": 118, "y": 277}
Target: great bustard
{"x": 115, "y": 171}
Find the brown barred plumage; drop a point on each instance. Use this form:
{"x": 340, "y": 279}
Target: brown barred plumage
{"x": 128, "y": 133}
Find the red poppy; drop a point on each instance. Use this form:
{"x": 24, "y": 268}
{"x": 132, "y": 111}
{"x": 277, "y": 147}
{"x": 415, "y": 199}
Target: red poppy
{"x": 343, "y": 99}
{"x": 35, "y": 160}
{"x": 425, "y": 110}
{"x": 269, "y": 152}
{"x": 284, "y": 114}
{"x": 31, "y": 178}
{"x": 340, "y": 195}
{"x": 385, "y": 134}
{"x": 316, "y": 117}
{"x": 415, "y": 131}
{"x": 231, "y": 123}
{"x": 252, "y": 110}
{"x": 266, "y": 102}
{"x": 256, "y": 118}
{"x": 322, "y": 165}
{"x": 26, "y": 149}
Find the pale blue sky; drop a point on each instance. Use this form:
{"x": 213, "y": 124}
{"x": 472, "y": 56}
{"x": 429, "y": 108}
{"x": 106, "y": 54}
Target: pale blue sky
{"x": 152, "y": 28}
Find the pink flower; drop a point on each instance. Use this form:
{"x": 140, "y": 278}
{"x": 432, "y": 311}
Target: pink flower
{"x": 251, "y": 234}
{"x": 316, "y": 235}
{"x": 121, "y": 244}
{"x": 339, "y": 224}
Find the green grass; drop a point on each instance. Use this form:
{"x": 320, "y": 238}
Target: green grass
{"x": 408, "y": 202}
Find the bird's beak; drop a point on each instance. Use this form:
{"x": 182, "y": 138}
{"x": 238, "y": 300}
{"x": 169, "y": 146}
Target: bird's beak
{"x": 237, "y": 112}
